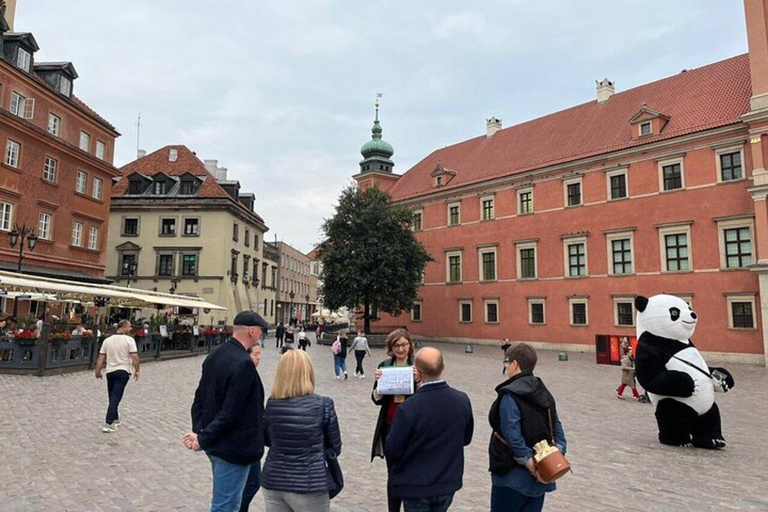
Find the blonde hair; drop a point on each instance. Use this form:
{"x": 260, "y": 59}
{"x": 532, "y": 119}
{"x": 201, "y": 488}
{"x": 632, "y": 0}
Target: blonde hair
{"x": 294, "y": 376}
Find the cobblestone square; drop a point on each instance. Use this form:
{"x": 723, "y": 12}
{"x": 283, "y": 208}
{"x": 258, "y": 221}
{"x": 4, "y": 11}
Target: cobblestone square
{"x": 54, "y": 456}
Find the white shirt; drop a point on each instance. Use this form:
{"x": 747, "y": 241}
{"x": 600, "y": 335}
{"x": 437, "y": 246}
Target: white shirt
{"x": 118, "y": 349}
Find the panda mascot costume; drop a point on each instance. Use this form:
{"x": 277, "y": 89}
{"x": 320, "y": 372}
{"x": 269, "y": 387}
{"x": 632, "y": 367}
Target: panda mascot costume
{"x": 672, "y": 371}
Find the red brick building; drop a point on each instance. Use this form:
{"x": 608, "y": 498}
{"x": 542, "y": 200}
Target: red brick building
{"x": 545, "y": 231}
{"x": 56, "y": 172}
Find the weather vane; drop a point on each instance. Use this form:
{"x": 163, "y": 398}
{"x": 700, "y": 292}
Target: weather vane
{"x": 378, "y": 103}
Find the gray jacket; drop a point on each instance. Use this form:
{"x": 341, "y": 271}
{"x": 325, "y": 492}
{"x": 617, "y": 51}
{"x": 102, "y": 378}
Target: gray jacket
{"x": 360, "y": 343}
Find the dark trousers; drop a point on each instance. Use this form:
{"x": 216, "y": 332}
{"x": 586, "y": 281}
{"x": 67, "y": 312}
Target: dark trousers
{"x": 252, "y": 486}
{"x": 116, "y": 382}
{"x": 432, "y": 504}
{"x": 279, "y": 341}
{"x": 393, "y": 502}
{"x": 506, "y": 499}
{"x": 359, "y": 356}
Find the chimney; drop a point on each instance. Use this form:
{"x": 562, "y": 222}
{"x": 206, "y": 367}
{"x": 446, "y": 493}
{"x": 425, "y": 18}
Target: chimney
{"x": 211, "y": 166}
{"x": 221, "y": 174}
{"x": 604, "y": 90}
{"x": 492, "y": 125}
{"x": 173, "y": 154}
{"x": 141, "y": 153}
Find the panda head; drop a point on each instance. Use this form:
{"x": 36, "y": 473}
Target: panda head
{"x": 666, "y": 316}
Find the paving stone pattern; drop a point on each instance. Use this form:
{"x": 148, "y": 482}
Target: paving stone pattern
{"x": 54, "y": 457}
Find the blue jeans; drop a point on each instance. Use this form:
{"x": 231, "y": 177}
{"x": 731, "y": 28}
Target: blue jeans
{"x": 252, "y": 486}
{"x": 506, "y": 499}
{"x": 228, "y": 484}
{"x": 116, "y": 382}
{"x": 432, "y": 504}
{"x": 339, "y": 365}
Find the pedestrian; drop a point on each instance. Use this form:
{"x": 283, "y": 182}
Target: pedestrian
{"x": 253, "y": 482}
{"x": 39, "y": 326}
{"x": 121, "y": 356}
{"x": 78, "y": 330}
{"x": 400, "y": 350}
{"x": 300, "y": 426}
{"x": 523, "y": 414}
{"x": 303, "y": 340}
{"x": 289, "y": 332}
{"x": 279, "y": 335}
{"x": 360, "y": 348}
{"x": 339, "y": 349}
{"x": 426, "y": 442}
{"x": 228, "y": 413}
{"x": 627, "y": 375}
{"x": 505, "y": 344}
{"x": 263, "y": 338}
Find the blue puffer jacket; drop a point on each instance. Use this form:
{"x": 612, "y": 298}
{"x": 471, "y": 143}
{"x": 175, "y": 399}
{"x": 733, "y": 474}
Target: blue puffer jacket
{"x": 298, "y": 430}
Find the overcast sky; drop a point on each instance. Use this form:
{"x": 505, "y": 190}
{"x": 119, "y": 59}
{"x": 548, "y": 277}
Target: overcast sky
{"x": 282, "y": 92}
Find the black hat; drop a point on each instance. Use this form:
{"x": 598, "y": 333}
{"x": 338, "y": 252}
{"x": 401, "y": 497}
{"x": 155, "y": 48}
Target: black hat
{"x": 250, "y": 319}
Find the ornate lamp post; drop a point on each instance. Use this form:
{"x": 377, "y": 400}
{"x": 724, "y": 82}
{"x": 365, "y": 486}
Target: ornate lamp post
{"x": 290, "y": 311}
{"x": 306, "y": 316}
{"x": 129, "y": 270}
{"x": 17, "y": 236}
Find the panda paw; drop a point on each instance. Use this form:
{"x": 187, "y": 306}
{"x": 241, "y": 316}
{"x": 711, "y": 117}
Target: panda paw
{"x": 710, "y": 444}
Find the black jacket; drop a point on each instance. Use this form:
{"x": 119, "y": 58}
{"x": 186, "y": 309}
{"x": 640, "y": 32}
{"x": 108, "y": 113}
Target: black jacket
{"x": 280, "y": 331}
{"x": 228, "y": 411}
{"x": 382, "y": 429}
{"x": 426, "y": 442}
{"x": 298, "y": 430}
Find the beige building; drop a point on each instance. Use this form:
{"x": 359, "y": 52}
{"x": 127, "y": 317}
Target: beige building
{"x": 296, "y": 295}
{"x": 177, "y": 224}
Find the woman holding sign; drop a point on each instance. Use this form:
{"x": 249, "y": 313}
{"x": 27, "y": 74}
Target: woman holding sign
{"x": 400, "y": 349}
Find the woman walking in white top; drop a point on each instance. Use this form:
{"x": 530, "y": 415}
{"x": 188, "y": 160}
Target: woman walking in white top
{"x": 360, "y": 348}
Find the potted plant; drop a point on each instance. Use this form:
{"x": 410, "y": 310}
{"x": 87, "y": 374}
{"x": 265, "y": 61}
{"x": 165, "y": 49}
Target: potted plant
{"x": 25, "y": 337}
{"x": 57, "y": 338}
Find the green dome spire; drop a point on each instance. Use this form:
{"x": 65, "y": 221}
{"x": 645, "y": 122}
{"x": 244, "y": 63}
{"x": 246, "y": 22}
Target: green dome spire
{"x": 376, "y": 152}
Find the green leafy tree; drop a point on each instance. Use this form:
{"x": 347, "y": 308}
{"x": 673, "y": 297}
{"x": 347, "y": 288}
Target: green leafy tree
{"x": 370, "y": 256}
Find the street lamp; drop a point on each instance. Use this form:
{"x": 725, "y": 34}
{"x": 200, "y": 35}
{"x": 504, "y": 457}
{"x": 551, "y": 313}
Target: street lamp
{"x": 174, "y": 283}
{"x": 17, "y": 236}
{"x": 129, "y": 270}
{"x": 306, "y": 316}
{"x": 290, "y": 311}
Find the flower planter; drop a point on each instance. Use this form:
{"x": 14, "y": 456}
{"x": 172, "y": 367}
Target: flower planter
{"x": 25, "y": 342}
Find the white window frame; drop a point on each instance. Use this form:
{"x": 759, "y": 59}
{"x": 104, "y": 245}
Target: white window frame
{"x": 101, "y": 150}
{"x": 723, "y": 225}
{"x": 448, "y": 213}
{"x": 671, "y": 161}
{"x": 54, "y": 124}
{"x": 738, "y": 148}
{"x": 439, "y": 181}
{"x": 577, "y": 300}
{"x": 620, "y": 235}
{"x": 573, "y": 181}
{"x": 730, "y": 299}
{"x": 421, "y": 311}
{"x": 608, "y": 177}
{"x": 675, "y": 230}
{"x": 77, "y": 234}
{"x": 487, "y": 250}
{"x": 623, "y": 300}
{"x": 85, "y": 140}
{"x": 462, "y": 303}
{"x": 49, "y": 169}
{"x": 93, "y": 238}
{"x": 567, "y": 242}
{"x": 12, "y": 153}
{"x": 486, "y": 302}
{"x": 640, "y": 128}
{"x": 527, "y": 245}
{"x": 543, "y": 303}
{"x": 65, "y": 86}
{"x": 81, "y": 182}
{"x": 97, "y": 188}
{"x": 420, "y": 213}
{"x": 17, "y": 104}
{"x": 520, "y": 192}
{"x": 23, "y": 59}
{"x": 492, "y": 199}
{"x": 44, "y": 225}
{"x": 448, "y": 255}
{"x": 6, "y": 216}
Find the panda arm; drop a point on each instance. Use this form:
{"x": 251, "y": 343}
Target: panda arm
{"x": 655, "y": 378}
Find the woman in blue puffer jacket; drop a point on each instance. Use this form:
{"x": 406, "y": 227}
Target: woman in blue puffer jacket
{"x": 300, "y": 425}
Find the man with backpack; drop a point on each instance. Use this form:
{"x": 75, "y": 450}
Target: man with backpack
{"x": 339, "y": 349}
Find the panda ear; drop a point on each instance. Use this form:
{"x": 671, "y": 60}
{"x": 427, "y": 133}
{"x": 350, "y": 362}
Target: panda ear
{"x": 641, "y": 303}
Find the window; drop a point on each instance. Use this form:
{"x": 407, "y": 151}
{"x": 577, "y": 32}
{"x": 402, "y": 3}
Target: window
{"x": 65, "y": 86}
{"x": 491, "y": 311}
{"x": 578, "y": 311}
{"x": 44, "y": 226}
{"x": 536, "y": 311}
{"x": 465, "y": 311}
{"x": 168, "y": 227}
{"x": 23, "y": 59}
{"x": 189, "y": 265}
{"x": 188, "y": 187}
{"x": 453, "y": 270}
{"x": 97, "y": 188}
{"x": 22, "y": 106}
{"x": 165, "y": 265}
{"x": 235, "y": 232}
{"x": 488, "y": 264}
{"x": 6, "y": 214}
{"x": 12, "y": 150}
{"x": 256, "y": 242}
{"x": 620, "y": 253}
{"x": 738, "y": 247}
{"x": 730, "y": 166}
{"x": 49, "y": 169}
{"x": 101, "y": 149}
{"x": 233, "y": 267}
{"x": 573, "y": 192}
{"x": 645, "y": 128}
{"x": 525, "y": 201}
{"x": 439, "y": 181}
{"x": 247, "y": 238}
{"x": 158, "y": 188}
{"x": 526, "y": 261}
{"x": 417, "y": 218}
{"x": 617, "y": 184}
{"x": 85, "y": 141}
{"x": 671, "y": 174}
{"x": 128, "y": 261}
{"x": 130, "y": 227}
{"x": 191, "y": 227}
{"x": 676, "y": 252}
{"x": 135, "y": 187}
{"x": 577, "y": 259}
{"x": 741, "y": 314}
{"x": 416, "y": 311}
{"x": 454, "y": 214}
{"x": 93, "y": 238}
{"x": 624, "y": 313}
{"x": 77, "y": 234}
{"x": 487, "y": 208}
{"x": 81, "y": 183}
{"x": 54, "y": 125}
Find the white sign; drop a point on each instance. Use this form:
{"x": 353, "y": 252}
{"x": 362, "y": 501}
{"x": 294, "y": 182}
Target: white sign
{"x": 164, "y": 331}
{"x": 195, "y": 330}
{"x": 396, "y": 380}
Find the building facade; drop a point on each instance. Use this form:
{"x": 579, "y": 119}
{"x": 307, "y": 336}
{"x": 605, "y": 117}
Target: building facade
{"x": 180, "y": 225}
{"x": 546, "y": 231}
{"x": 296, "y": 298}
{"x": 269, "y": 282}
{"x": 56, "y": 170}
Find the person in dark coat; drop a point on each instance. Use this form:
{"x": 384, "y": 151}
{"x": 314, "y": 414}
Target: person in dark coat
{"x": 425, "y": 445}
{"x": 279, "y": 335}
{"x": 300, "y": 426}
{"x": 228, "y": 413}
{"x": 400, "y": 349}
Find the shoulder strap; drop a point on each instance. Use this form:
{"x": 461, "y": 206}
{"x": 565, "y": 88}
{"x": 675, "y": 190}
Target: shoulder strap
{"x": 551, "y": 426}
{"x": 659, "y": 351}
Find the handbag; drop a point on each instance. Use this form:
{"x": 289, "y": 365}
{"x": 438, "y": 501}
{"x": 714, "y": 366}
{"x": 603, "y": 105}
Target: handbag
{"x": 550, "y": 461}
{"x": 335, "y": 477}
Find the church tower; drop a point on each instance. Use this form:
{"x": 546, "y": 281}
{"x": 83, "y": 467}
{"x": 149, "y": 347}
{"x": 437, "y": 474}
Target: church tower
{"x": 376, "y": 165}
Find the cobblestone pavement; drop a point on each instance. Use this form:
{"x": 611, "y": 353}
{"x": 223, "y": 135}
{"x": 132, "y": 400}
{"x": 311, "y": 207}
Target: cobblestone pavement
{"x": 54, "y": 457}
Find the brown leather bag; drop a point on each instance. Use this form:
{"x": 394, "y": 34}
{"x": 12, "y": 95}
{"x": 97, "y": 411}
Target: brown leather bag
{"x": 553, "y": 464}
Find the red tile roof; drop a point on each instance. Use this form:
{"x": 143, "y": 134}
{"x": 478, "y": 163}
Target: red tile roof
{"x": 700, "y": 99}
{"x": 314, "y": 253}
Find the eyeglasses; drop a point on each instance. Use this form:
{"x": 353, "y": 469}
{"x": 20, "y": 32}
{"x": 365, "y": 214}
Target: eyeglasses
{"x": 401, "y": 346}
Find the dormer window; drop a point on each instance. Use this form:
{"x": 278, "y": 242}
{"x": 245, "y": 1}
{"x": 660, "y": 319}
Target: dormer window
{"x": 23, "y": 59}
{"x": 645, "y": 128}
{"x": 439, "y": 181}
{"x": 65, "y": 86}
{"x": 135, "y": 187}
{"x": 159, "y": 188}
{"x": 188, "y": 187}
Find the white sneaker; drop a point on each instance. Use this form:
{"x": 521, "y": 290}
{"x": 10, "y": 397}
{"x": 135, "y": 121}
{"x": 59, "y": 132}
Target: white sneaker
{"x": 362, "y": 376}
{"x": 107, "y": 429}
{"x": 117, "y": 423}
{"x": 338, "y": 378}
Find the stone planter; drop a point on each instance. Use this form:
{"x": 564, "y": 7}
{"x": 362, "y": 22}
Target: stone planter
{"x": 25, "y": 342}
